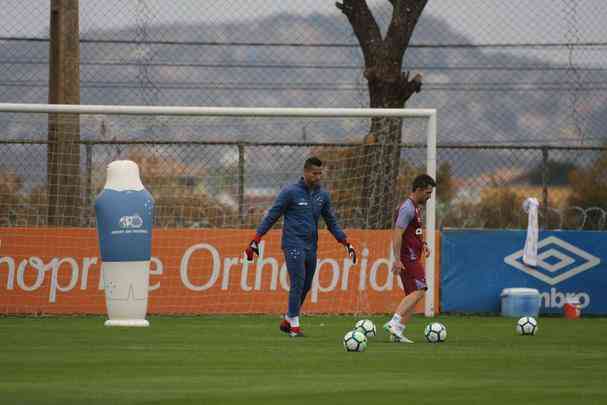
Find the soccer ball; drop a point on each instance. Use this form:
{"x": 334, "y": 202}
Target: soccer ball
{"x": 526, "y": 326}
{"x": 355, "y": 341}
{"x": 435, "y": 332}
{"x": 367, "y": 327}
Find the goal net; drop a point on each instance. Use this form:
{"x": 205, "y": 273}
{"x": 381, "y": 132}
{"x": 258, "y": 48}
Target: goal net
{"x": 213, "y": 174}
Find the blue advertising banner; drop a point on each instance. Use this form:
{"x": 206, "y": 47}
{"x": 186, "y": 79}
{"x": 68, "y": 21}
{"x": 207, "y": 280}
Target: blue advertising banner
{"x": 477, "y": 265}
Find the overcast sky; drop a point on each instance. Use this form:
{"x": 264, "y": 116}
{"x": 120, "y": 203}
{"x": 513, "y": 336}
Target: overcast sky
{"x": 482, "y": 20}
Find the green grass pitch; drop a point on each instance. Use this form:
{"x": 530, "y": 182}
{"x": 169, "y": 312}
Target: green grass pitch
{"x": 246, "y": 360}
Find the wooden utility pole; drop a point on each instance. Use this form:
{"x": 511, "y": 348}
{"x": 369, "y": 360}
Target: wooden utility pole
{"x": 63, "y": 164}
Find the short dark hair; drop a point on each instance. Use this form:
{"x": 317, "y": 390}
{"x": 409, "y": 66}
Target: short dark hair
{"x": 423, "y": 181}
{"x": 313, "y": 161}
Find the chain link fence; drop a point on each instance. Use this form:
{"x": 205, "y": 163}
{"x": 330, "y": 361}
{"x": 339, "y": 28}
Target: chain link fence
{"x": 520, "y": 88}
{"x": 210, "y": 192}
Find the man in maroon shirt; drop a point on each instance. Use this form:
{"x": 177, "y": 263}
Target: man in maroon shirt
{"x": 409, "y": 249}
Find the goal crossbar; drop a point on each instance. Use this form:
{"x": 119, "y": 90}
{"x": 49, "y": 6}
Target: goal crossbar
{"x": 216, "y": 111}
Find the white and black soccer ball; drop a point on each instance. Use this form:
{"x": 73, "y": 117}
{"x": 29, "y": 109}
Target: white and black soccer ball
{"x": 435, "y": 332}
{"x": 527, "y": 326}
{"x": 355, "y": 341}
{"x": 367, "y": 327}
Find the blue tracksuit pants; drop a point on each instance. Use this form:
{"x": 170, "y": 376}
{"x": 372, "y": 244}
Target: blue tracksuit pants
{"x": 301, "y": 266}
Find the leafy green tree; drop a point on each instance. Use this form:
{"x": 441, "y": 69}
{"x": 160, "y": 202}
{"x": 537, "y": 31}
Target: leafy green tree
{"x": 557, "y": 173}
{"x": 10, "y": 191}
{"x": 590, "y": 185}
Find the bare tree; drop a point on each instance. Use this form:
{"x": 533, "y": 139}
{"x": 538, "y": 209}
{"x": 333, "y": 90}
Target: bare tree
{"x": 389, "y": 87}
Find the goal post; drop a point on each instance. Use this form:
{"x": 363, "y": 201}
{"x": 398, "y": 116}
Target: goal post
{"x": 242, "y": 157}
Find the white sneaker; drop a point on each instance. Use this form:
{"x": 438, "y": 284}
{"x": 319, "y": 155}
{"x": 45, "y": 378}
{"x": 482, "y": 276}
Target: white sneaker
{"x": 396, "y": 333}
{"x": 400, "y": 339}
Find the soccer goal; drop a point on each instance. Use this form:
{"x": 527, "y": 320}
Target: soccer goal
{"x": 213, "y": 173}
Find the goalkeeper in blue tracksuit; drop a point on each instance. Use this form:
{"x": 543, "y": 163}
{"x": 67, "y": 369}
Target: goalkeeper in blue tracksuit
{"x": 302, "y": 204}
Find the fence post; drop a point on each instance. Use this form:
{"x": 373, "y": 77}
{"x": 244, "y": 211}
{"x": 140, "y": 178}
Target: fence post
{"x": 88, "y": 199}
{"x": 545, "y": 175}
{"x": 241, "y": 183}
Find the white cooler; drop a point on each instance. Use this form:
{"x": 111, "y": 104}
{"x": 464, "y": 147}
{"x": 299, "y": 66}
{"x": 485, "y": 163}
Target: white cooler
{"x": 518, "y": 302}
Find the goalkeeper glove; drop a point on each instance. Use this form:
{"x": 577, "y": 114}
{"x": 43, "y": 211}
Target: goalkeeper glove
{"x": 350, "y": 250}
{"x": 253, "y": 248}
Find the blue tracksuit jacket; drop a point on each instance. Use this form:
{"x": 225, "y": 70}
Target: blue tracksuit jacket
{"x": 301, "y": 208}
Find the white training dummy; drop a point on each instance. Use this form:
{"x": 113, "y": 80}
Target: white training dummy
{"x": 125, "y": 210}
{"x": 530, "y": 206}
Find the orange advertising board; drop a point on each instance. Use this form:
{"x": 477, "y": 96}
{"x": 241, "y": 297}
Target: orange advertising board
{"x": 195, "y": 271}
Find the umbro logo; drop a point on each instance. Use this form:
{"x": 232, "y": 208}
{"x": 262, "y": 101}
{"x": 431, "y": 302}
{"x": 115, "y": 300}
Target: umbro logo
{"x": 302, "y": 203}
{"x": 557, "y": 261}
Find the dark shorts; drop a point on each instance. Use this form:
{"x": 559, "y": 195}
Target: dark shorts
{"x": 413, "y": 277}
